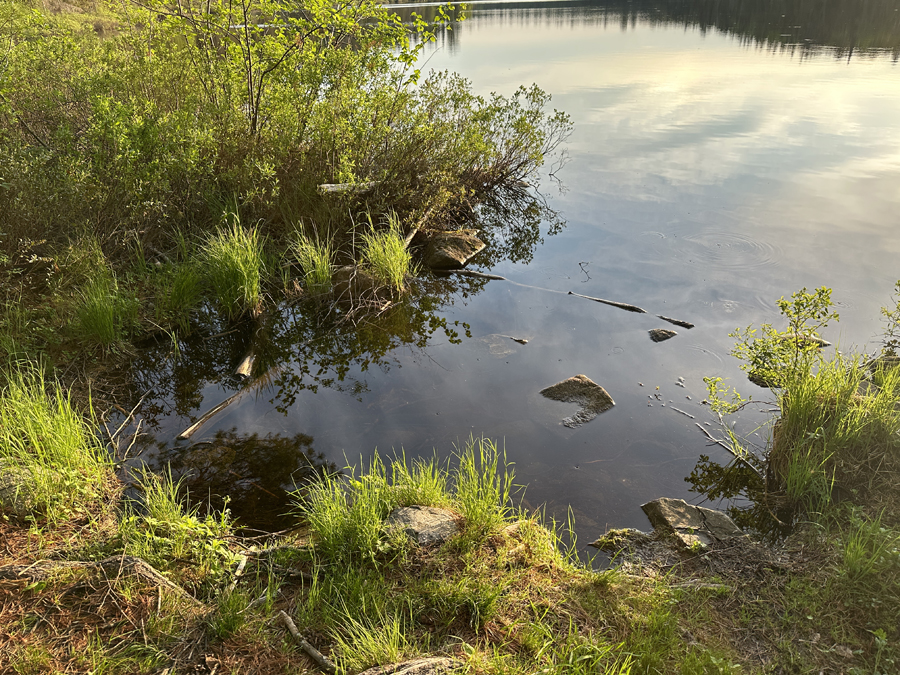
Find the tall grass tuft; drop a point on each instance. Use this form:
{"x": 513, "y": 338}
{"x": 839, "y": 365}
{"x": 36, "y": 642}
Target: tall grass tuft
{"x": 315, "y": 258}
{"x": 386, "y": 256}
{"x": 234, "y": 265}
{"x": 836, "y": 429}
{"x": 104, "y": 312}
{"x": 48, "y": 450}
{"x": 178, "y": 291}
{"x": 346, "y": 513}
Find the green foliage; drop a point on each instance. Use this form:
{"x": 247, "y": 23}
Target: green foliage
{"x": 177, "y": 290}
{"x": 770, "y": 355}
{"x": 233, "y": 262}
{"x": 386, "y": 256}
{"x": 180, "y": 107}
{"x": 105, "y": 312}
{"x": 163, "y": 531}
{"x": 891, "y": 316}
{"x": 346, "y": 513}
{"x": 47, "y": 447}
{"x": 315, "y": 259}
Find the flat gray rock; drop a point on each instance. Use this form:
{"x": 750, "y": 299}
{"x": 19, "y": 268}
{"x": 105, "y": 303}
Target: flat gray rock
{"x": 452, "y": 250}
{"x": 426, "y": 525}
{"x": 692, "y": 525}
{"x": 661, "y": 334}
{"x": 435, "y": 665}
{"x": 580, "y": 389}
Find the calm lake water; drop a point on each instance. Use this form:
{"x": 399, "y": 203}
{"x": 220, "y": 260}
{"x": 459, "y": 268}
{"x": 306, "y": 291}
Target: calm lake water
{"x": 720, "y": 159}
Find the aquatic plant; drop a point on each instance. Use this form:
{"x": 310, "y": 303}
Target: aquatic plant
{"x": 233, "y": 265}
{"x": 315, "y": 259}
{"x": 385, "y": 255}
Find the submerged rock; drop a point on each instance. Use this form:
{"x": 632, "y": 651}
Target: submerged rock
{"x": 451, "y": 250}
{"x": 425, "y": 525}
{"x": 580, "y": 389}
{"x": 661, "y": 334}
{"x": 433, "y": 665}
{"x": 692, "y": 525}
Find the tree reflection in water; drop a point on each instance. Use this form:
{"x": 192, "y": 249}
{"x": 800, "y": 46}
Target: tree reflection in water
{"x": 300, "y": 347}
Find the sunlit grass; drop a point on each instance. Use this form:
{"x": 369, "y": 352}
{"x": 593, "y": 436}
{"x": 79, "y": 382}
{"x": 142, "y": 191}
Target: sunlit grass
{"x": 315, "y": 259}
{"x": 234, "y": 265}
{"x": 386, "y": 256}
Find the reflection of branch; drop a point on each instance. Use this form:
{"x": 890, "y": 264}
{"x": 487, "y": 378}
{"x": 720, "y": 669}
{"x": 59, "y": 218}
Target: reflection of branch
{"x": 263, "y": 379}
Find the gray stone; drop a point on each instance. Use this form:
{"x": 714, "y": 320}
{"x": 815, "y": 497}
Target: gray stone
{"x": 661, "y": 334}
{"x": 580, "y": 389}
{"x": 425, "y": 525}
{"x": 452, "y": 250}
{"x": 433, "y": 665}
{"x": 352, "y": 284}
{"x": 692, "y": 525}
{"x": 16, "y": 492}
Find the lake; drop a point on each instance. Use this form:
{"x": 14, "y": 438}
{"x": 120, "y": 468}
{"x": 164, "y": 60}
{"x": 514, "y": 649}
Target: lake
{"x": 723, "y": 155}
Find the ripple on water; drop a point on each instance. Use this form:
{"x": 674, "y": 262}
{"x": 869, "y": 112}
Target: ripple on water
{"x": 720, "y": 250}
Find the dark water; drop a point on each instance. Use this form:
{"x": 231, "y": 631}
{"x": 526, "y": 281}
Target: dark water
{"x": 724, "y": 154}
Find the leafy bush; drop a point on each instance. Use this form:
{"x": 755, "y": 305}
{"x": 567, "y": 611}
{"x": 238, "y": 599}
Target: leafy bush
{"x": 174, "y": 111}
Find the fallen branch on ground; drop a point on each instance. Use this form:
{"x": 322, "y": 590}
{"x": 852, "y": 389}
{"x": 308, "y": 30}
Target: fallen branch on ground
{"x": 314, "y": 653}
{"x": 45, "y": 568}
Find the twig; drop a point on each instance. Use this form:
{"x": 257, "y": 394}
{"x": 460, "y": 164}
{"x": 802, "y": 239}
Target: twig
{"x": 677, "y": 322}
{"x": 314, "y": 653}
{"x": 131, "y": 414}
{"x": 237, "y": 574}
{"x": 191, "y": 430}
{"x": 683, "y": 413}
{"x": 613, "y": 303}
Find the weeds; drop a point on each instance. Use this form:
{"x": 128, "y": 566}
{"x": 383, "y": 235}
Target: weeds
{"x": 386, "y": 256}
{"x": 59, "y": 467}
{"x": 233, "y": 262}
{"x": 315, "y": 259}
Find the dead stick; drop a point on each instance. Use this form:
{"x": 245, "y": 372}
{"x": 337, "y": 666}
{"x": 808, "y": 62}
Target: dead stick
{"x": 730, "y": 450}
{"x": 613, "y": 303}
{"x": 677, "y": 322}
{"x": 191, "y": 430}
{"x": 237, "y": 574}
{"x": 314, "y": 653}
{"x": 477, "y": 275}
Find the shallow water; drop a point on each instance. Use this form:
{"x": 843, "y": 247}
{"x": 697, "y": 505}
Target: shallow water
{"x": 718, "y": 162}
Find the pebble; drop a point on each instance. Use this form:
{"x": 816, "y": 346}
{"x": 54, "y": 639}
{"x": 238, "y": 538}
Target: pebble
{"x": 688, "y": 398}
{"x": 681, "y": 379}
{"x": 680, "y": 384}
{"x": 640, "y": 384}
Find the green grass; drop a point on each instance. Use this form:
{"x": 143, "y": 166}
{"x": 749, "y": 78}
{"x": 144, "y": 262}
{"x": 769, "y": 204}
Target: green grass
{"x": 386, "y": 256}
{"x": 62, "y": 467}
{"x": 315, "y": 259}
{"x": 233, "y": 262}
{"x": 178, "y": 289}
{"x": 105, "y": 313}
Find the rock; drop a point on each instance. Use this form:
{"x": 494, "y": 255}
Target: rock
{"x": 692, "y": 525}
{"x": 425, "y": 525}
{"x": 883, "y": 362}
{"x": 16, "y": 492}
{"x": 592, "y": 398}
{"x": 433, "y": 665}
{"x": 353, "y": 284}
{"x": 452, "y": 250}
{"x": 661, "y": 334}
